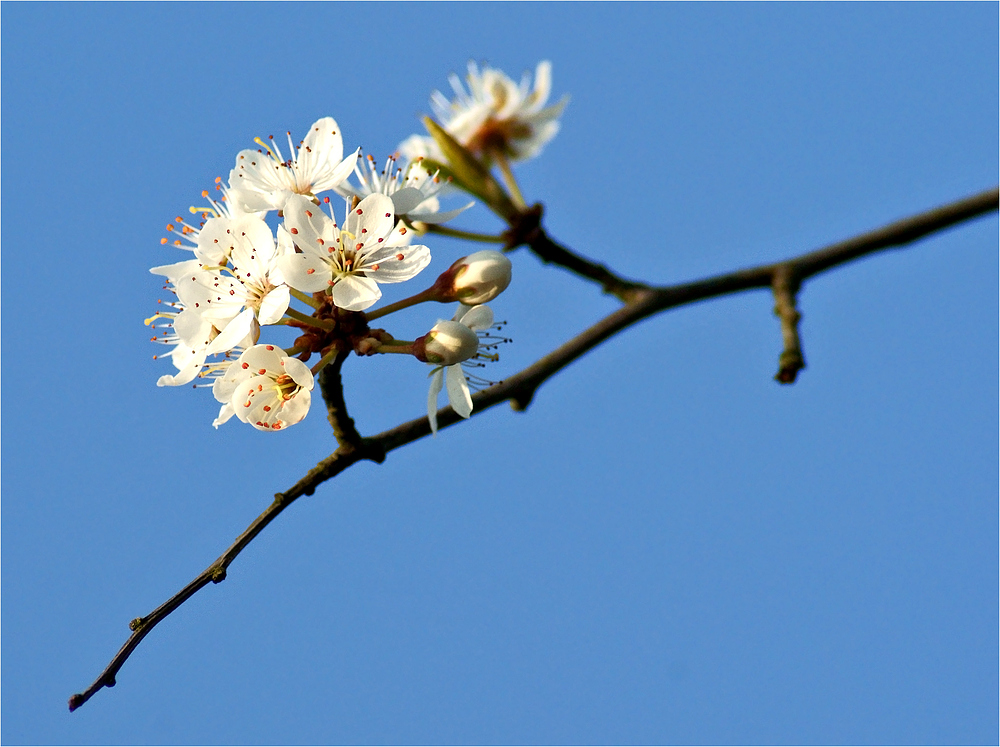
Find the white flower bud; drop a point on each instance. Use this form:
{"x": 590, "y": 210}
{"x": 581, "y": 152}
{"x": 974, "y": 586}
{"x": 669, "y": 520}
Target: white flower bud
{"x": 449, "y": 343}
{"x": 481, "y": 277}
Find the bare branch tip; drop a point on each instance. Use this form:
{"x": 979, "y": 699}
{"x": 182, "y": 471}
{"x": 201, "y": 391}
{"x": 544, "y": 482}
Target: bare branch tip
{"x": 789, "y": 365}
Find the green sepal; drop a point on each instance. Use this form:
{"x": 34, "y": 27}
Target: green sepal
{"x": 468, "y": 172}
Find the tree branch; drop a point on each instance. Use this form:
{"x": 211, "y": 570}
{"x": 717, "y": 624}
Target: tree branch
{"x": 332, "y": 388}
{"x": 526, "y": 229}
{"x": 641, "y": 301}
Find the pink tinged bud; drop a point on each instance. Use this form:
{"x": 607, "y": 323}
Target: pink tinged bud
{"x": 449, "y": 343}
{"x": 481, "y": 277}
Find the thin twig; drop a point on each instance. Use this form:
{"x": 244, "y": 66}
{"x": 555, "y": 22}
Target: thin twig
{"x": 332, "y": 388}
{"x": 785, "y": 285}
{"x": 526, "y": 230}
{"x": 643, "y": 301}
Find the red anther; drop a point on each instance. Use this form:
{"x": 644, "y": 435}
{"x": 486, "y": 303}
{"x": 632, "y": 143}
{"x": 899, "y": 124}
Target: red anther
{"x": 321, "y": 242}
{"x": 267, "y": 408}
{"x": 262, "y": 371}
{"x": 375, "y": 266}
{"x": 388, "y": 215}
{"x": 359, "y": 211}
{"x": 326, "y": 200}
{"x": 294, "y": 230}
{"x": 245, "y": 366}
{"x": 260, "y": 387}
{"x": 364, "y": 230}
{"x": 309, "y": 214}
{"x": 310, "y": 271}
{"x": 218, "y": 180}
{"x": 399, "y": 257}
{"x": 269, "y": 347}
{"x": 170, "y": 226}
{"x": 381, "y": 240}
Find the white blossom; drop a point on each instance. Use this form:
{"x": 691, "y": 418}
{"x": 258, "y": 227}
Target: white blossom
{"x": 413, "y": 190}
{"x": 223, "y": 296}
{"x": 349, "y": 262}
{"x": 495, "y": 115}
{"x": 479, "y": 321}
{"x": 265, "y": 388}
{"x": 481, "y": 277}
{"x": 265, "y": 179}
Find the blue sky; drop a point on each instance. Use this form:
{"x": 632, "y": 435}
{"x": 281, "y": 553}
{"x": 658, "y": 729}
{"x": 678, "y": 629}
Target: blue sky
{"x": 668, "y": 547}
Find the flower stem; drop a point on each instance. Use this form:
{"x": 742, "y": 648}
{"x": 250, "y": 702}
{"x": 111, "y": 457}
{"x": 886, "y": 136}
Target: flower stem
{"x": 401, "y": 346}
{"x": 509, "y": 180}
{"x": 485, "y": 238}
{"x": 310, "y": 320}
{"x": 326, "y": 360}
{"x": 425, "y": 295}
{"x": 304, "y": 297}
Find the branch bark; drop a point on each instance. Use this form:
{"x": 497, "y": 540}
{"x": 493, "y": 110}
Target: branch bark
{"x": 641, "y": 302}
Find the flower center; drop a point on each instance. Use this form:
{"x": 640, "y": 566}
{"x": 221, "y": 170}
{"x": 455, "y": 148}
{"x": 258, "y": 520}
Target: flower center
{"x": 285, "y": 387}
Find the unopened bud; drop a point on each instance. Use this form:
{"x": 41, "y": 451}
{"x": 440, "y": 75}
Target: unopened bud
{"x": 447, "y": 343}
{"x": 481, "y": 277}
{"x": 475, "y": 279}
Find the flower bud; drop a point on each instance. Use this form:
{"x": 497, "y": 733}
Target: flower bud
{"x": 481, "y": 277}
{"x": 449, "y": 343}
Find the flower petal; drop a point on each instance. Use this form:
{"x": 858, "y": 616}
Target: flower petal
{"x": 437, "y": 381}
{"x": 311, "y": 229}
{"x": 225, "y": 412}
{"x": 273, "y": 306}
{"x": 370, "y": 222}
{"x": 405, "y": 199}
{"x": 178, "y": 269}
{"x": 215, "y": 242}
{"x": 354, "y": 293}
{"x": 299, "y": 372}
{"x": 233, "y": 334}
{"x": 397, "y": 264}
{"x": 186, "y": 375}
{"x": 305, "y": 272}
{"x": 475, "y": 317}
{"x": 338, "y": 175}
{"x": 438, "y": 217}
{"x": 458, "y": 391}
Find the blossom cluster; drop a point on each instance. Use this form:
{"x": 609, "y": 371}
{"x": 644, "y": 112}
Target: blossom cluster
{"x": 272, "y": 237}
